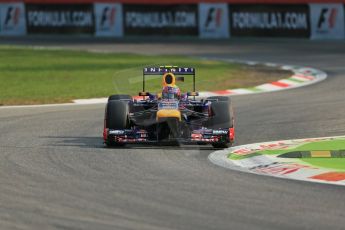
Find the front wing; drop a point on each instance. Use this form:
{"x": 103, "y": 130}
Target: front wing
{"x": 201, "y": 136}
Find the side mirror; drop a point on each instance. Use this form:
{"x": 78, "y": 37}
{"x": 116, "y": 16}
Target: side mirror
{"x": 193, "y": 94}
{"x": 181, "y": 79}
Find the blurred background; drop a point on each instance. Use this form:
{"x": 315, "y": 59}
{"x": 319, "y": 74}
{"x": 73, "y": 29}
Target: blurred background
{"x": 310, "y": 19}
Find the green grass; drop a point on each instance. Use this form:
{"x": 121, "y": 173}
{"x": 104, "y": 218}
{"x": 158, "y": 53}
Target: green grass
{"x": 33, "y": 76}
{"x": 241, "y": 157}
{"x": 334, "y": 163}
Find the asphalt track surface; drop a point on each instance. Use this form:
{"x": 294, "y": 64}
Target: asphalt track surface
{"x": 55, "y": 173}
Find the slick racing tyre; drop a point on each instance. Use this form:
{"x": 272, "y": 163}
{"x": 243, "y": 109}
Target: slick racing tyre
{"x": 221, "y": 118}
{"x": 119, "y": 97}
{"x": 116, "y": 118}
{"x": 222, "y": 145}
{"x": 221, "y": 114}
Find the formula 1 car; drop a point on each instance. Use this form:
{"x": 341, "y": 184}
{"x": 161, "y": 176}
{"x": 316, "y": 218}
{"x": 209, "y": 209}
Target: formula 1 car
{"x": 169, "y": 116}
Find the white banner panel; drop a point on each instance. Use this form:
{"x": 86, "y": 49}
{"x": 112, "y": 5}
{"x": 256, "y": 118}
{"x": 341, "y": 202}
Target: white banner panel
{"x": 213, "y": 20}
{"x": 12, "y": 19}
{"x": 108, "y": 19}
{"x": 327, "y": 21}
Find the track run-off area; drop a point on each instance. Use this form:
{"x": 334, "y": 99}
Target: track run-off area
{"x": 56, "y": 174}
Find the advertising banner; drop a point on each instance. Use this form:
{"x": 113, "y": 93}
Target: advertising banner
{"x": 270, "y": 20}
{"x": 327, "y": 21}
{"x": 12, "y": 19}
{"x": 108, "y": 19}
{"x": 59, "y": 18}
{"x": 176, "y": 20}
{"x": 213, "y": 20}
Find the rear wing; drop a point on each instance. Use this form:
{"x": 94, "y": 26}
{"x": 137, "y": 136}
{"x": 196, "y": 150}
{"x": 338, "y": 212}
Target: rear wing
{"x": 168, "y": 69}
{"x": 161, "y": 70}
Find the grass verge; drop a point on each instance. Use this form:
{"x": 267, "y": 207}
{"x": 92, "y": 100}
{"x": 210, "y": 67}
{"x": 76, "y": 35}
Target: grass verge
{"x": 39, "y": 76}
{"x": 333, "y": 163}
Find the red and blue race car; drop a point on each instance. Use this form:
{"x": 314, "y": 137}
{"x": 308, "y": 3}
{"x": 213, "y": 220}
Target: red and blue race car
{"x": 169, "y": 116}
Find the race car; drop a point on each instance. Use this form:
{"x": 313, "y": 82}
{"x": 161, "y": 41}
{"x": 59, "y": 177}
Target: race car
{"x": 169, "y": 116}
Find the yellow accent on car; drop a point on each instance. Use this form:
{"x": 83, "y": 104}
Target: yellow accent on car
{"x": 168, "y": 113}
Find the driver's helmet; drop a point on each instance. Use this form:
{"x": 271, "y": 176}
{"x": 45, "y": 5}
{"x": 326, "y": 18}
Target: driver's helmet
{"x": 170, "y": 92}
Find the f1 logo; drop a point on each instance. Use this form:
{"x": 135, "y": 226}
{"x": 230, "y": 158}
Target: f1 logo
{"x": 330, "y": 14}
{"x": 108, "y": 17}
{"x": 214, "y": 20}
{"x": 214, "y": 17}
{"x": 327, "y": 21}
{"x": 12, "y": 16}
